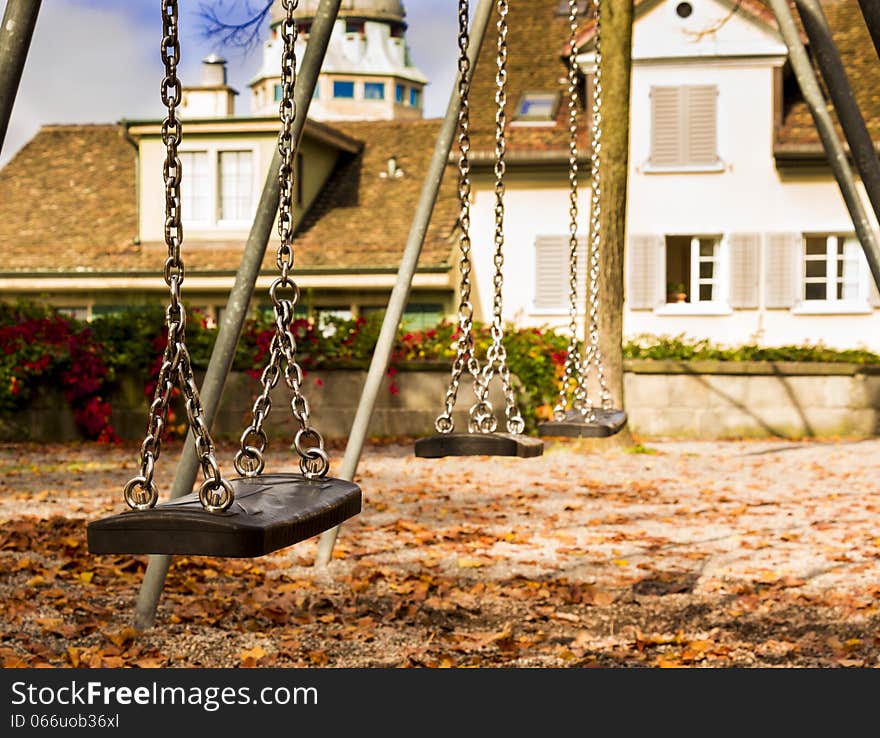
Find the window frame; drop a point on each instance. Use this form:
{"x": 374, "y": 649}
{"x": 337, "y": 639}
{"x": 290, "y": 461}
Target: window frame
{"x": 213, "y": 151}
{"x": 337, "y": 96}
{"x": 720, "y": 302}
{"x": 553, "y": 97}
{"x": 831, "y": 303}
{"x": 377, "y": 85}
{"x": 218, "y": 204}
{"x": 400, "y": 93}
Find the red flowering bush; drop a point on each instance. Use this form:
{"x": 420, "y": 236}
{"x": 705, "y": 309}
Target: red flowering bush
{"x": 42, "y": 347}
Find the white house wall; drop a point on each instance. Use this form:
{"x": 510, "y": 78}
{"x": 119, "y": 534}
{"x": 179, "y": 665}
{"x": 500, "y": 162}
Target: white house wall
{"x": 747, "y": 194}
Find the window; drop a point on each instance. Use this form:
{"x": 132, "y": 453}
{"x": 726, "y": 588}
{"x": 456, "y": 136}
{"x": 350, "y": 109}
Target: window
{"x": 79, "y": 312}
{"x": 354, "y": 26}
{"x": 693, "y": 269}
{"x": 684, "y": 126}
{"x": 279, "y": 91}
{"x": 298, "y": 182}
{"x": 421, "y": 316}
{"x": 343, "y": 89}
{"x": 834, "y": 270}
{"x": 374, "y": 90}
{"x": 415, "y": 96}
{"x": 236, "y": 179}
{"x": 537, "y": 106}
{"x": 399, "y": 91}
{"x": 684, "y": 10}
{"x": 195, "y": 188}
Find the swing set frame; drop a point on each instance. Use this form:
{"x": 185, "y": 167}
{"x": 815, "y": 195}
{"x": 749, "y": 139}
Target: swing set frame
{"x": 16, "y": 31}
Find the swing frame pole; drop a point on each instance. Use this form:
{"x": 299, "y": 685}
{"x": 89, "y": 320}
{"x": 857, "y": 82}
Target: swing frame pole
{"x": 871, "y": 13}
{"x": 16, "y": 32}
{"x": 239, "y": 300}
{"x": 834, "y": 149}
{"x": 409, "y": 262}
{"x": 827, "y": 57}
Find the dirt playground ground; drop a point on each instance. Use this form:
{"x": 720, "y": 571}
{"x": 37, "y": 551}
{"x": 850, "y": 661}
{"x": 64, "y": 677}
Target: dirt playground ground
{"x": 671, "y": 554}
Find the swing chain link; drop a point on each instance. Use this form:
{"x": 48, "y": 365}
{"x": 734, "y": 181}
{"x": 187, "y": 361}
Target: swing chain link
{"x": 141, "y": 493}
{"x": 465, "y": 358}
{"x": 593, "y": 353}
{"x": 482, "y": 416}
{"x": 571, "y": 370}
{"x": 309, "y": 444}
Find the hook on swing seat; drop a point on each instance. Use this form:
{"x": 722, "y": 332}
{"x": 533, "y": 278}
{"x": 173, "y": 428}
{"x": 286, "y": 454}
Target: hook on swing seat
{"x": 607, "y": 423}
{"x": 478, "y": 444}
{"x": 270, "y": 512}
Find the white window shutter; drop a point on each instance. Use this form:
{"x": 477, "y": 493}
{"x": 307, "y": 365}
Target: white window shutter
{"x": 744, "y": 250}
{"x": 551, "y": 273}
{"x": 667, "y": 138}
{"x": 646, "y": 260}
{"x": 781, "y": 254}
{"x": 700, "y": 106}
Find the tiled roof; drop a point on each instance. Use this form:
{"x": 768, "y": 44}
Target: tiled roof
{"x": 361, "y": 218}
{"x": 68, "y": 199}
{"x": 68, "y": 203}
{"x": 862, "y": 67}
{"x": 537, "y": 35}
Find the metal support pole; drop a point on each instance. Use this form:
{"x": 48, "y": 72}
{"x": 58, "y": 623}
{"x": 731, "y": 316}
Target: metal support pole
{"x": 239, "y": 299}
{"x": 16, "y": 32}
{"x": 834, "y": 150}
{"x": 871, "y": 11}
{"x": 400, "y": 293}
{"x": 852, "y": 122}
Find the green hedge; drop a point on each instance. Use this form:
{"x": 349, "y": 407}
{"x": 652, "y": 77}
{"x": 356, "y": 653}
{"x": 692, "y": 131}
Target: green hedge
{"x": 683, "y": 348}
{"x": 43, "y": 347}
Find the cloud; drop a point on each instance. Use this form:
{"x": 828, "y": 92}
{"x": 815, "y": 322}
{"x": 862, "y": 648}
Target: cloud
{"x": 433, "y": 42}
{"x": 97, "y": 61}
{"x": 85, "y": 65}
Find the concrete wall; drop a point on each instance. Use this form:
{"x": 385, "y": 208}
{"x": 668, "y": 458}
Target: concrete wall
{"x": 709, "y": 400}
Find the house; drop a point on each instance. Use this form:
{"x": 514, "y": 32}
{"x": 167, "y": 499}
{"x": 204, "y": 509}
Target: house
{"x": 82, "y": 207}
{"x": 736, "y": 229}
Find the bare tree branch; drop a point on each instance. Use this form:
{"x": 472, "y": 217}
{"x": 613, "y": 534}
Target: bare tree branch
{"x": 229, "y": 27}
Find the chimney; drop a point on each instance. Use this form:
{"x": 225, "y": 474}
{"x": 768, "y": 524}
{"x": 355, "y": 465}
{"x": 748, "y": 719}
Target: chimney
{"x": 213, "y": 98}
{"x": 213, "y": 71}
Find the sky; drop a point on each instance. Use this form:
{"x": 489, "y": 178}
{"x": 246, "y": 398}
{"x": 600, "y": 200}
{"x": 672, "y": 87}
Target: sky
{"x": 97, "y": 61}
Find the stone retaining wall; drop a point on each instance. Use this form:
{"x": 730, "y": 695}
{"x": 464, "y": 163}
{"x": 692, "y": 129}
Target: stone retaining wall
{"x": 707, "y": 399}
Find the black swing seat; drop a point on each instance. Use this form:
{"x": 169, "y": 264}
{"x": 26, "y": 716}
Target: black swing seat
{"x": 478, "y": 444}
{"x": 270, "y": 512}
{"x": 607, "y": 423}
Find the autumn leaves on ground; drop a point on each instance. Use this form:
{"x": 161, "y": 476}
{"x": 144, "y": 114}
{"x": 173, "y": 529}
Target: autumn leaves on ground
{"x": 671, "y": 554}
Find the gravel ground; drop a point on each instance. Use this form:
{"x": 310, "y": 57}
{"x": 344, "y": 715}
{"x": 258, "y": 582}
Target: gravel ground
{"x": 675, "y": 554}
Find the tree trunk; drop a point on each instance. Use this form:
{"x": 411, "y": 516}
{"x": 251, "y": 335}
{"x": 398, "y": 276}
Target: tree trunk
{"x": 617, "y": 21}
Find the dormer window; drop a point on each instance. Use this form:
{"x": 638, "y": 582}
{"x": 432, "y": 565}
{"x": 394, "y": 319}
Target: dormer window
{"x": 537, "y": 107}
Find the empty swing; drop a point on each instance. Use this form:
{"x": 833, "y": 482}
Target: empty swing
{"x": 579, "y": 417}
{"x": 481, "y": 438}
{"x": 253, "y": 514}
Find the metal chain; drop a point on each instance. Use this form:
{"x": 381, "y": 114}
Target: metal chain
{"x": 571, "y": 371}
{"x": 593, "y": 352}
{"x": 308, "y": 442}
{"x": 482, "y": 416}
{"x": 465, "y": 358}
{"x": 140, "y": 492}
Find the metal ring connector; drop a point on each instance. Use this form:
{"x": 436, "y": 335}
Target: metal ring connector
{"x": 216, "y": 496}
{"x": 136, "y": 501}
{"x": 249, "y": 462}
